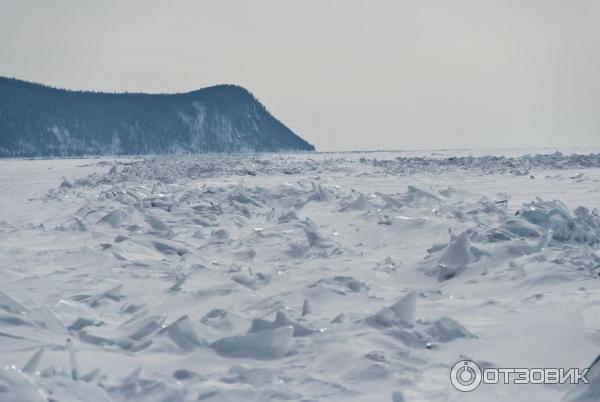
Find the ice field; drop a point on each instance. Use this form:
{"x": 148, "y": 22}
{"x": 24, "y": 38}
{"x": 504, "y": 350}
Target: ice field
{"x": 298, "y": 277}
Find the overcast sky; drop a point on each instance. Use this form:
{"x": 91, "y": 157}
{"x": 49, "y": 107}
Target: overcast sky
{"x": 343, "y": 74}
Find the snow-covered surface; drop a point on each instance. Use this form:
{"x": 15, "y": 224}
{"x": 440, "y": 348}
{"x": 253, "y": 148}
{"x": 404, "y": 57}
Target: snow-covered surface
{"x": 314, "y": 277}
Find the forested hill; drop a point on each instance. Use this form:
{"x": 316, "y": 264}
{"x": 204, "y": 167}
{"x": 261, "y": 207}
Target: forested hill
{"x": 36, "y": 120}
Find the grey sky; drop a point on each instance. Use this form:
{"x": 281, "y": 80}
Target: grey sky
{"x": 343, "y": 74}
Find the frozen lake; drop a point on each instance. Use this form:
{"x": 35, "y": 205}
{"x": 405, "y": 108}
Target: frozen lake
{"x": 356, "y": 276}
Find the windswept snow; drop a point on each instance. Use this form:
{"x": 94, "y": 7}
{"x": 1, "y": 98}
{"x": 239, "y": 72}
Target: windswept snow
{"x": 313, "y": 277}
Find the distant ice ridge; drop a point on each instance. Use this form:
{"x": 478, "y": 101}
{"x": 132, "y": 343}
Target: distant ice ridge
{"x": 169, "y": 169}
{"x": 519, "y": 165}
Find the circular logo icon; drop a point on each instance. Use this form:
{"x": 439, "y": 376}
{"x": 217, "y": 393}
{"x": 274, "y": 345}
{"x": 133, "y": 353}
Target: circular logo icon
{"x": 465, "y": 375}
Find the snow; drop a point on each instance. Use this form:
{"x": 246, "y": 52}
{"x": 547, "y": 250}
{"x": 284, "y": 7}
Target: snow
{"x": 317, "y": 276}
